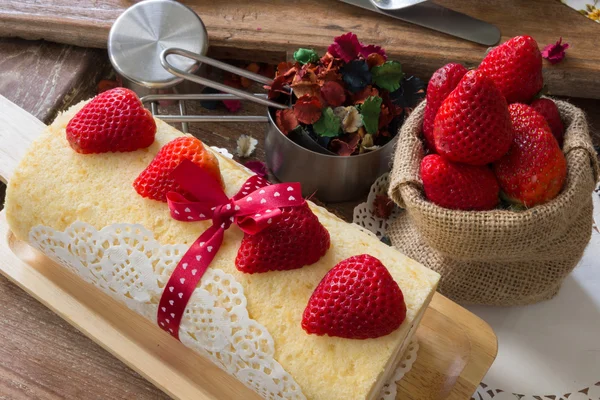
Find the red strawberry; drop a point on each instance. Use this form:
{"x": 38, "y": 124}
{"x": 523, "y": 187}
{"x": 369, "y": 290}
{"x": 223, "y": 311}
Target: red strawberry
{"x": 516, "y": 68}
{"x": 295, "y": 239}
{"x": 458, "y": 186}
{"x": 534, "y": 170}
{"x": 357, "y": 299}
{"x": 549, "y": 111}
{"x": 114, "y": 120}
{"x": 472, "y": 125}
{"x": 442, "y": 83}
{"x": 155, "y": 181}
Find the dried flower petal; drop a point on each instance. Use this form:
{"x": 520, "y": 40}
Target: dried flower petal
{"x": 345, "y": 147}
{"x": 329, "y": 71}
{"x": 277, "y": 87}
{"x": 410, "y": 93}
{"x": 345, "y": 47}
{"x": 367, "y": 140}
{"x": 305, "y": 83}
{"x": 359, "y": 97}
{"x": 388, "y": 75}
{"x": 286, "y": 120}
{"x": 350, "y": 117}
{"x": 383, "y": 206}
{"x": 356, "y": 75}
{"x": 333, "y": 93}
{"x": 369, "y": 49}
{"x": 327, "y": 58}
{"x": 328, "y": 124}
{"x": 375, "y": 60}
{"x": 385, "y": 117}
{"x": 232, "y": 106}
{"x": 370, "y": 111}
{"x": 555, "y": 52}
{"x": 308, "y": 109}
{"x": 305, "y": 56}
{"x": 252, "y": 67}
{"x": 284, "y": 68}
{"x": 246, "y": 146}
{"x": 258, "y": 167}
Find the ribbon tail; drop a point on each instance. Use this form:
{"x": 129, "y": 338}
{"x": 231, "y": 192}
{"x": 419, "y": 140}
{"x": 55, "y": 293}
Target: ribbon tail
{"x": 185, "y": 277}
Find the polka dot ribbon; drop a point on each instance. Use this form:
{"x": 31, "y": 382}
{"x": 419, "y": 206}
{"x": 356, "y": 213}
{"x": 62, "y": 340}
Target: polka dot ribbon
{"x": 252, "y": 209}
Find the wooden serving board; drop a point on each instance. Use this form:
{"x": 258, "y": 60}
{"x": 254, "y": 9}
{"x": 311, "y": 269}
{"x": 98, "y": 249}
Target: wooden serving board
{"x": 269, "y": 29}
{"x": 456, "y": 347}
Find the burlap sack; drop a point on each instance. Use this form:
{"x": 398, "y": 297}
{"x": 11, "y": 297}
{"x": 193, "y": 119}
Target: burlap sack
{"x": 497, "y": 257}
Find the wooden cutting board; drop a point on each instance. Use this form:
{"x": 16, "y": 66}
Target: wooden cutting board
{"x": 268, "y": 30}
{"x": 456, "y": 347}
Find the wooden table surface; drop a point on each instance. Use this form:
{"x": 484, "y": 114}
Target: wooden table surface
{"x": 270, "y": 28}
{"x": 42, "y": 356}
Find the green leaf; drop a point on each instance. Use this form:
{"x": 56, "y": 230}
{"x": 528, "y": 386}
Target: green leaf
{"x": 370, "y": 111}
{"x": 388, "y": 75}
{"x": 328, "y": 125}
{"x": 305, "y": 56}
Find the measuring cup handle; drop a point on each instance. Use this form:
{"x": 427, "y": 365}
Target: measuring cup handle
{"x": 215, "y": 85}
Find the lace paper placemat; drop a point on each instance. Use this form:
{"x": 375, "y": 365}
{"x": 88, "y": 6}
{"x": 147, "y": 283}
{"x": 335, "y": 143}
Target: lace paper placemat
{"x": 550, "y": 350}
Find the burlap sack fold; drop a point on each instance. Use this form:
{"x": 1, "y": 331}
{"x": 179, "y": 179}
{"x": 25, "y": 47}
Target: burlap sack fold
{"x": 497, "y": 257}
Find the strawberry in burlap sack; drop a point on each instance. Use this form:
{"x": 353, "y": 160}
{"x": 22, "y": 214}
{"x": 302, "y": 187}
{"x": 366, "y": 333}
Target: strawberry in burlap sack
{"x": 497, "y": 257}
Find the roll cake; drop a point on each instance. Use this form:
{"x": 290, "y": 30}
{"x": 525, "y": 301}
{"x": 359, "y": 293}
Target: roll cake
{"x": 83, "y": 211}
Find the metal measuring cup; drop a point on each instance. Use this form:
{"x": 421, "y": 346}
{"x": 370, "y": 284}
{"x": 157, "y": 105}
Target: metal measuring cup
{"x": 153, "y": 35}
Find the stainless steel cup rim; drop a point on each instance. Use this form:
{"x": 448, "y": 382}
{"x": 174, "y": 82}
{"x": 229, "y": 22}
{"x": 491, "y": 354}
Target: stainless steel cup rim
{"x": 357, "y": 156}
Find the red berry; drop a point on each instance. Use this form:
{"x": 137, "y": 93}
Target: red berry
{"x": 472, "y": 125}
{"x": 534, "y": 170}
{"x": 357, "y": 299}
{"x": 295, "y": 239}
{"x": 516, "y": 68}
{"x": 550, "y": 112}
{"x": 113, "y": 121}
{"x": 155, "y": 181}
{"x": 442, "y": 83}
{"x": 458, "y": 186}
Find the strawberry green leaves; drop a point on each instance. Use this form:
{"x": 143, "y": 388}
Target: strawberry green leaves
{"x": 388, "y": 75}
{"x": 370, "y": 111}
{"x": 328, "y": 125}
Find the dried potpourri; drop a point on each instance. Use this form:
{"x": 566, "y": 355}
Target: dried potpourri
{"x": 352, "y": 100}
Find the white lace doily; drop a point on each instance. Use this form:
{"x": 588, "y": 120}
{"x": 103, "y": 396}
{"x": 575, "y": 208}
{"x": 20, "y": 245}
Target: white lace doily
{"x": 364, "y": 213}
{"x": 550, "y": 350}
{"x": 126, "y": 262}
{"x": 390, "y": 390}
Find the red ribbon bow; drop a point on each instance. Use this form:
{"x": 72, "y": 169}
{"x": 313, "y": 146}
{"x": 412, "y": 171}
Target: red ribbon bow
{"x": 252, "y": 209}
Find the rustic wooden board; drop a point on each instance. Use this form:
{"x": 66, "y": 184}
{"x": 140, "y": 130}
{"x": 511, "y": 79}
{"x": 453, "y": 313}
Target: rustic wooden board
{"x": 44, "y": 77}
{"x": 457, "y": 347}
{"x": 244, "y": 29}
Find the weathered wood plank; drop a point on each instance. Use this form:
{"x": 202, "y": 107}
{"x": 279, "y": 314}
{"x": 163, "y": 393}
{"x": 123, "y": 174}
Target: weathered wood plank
{"x": 251, "y": 28}
{"x": 43, "y": 77}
